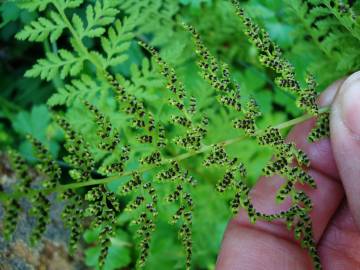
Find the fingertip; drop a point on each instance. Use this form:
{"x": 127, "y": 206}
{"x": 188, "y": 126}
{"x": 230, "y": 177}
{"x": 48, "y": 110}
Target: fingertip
{"x": 345, "y": 139}
{"x": 348, "y": 103}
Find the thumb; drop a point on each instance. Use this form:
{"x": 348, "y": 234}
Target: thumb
{"x": 345, "y": 139}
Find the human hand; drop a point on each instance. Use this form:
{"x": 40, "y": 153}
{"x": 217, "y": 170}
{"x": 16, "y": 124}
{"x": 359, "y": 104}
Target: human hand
{"x": 335, "y": 166}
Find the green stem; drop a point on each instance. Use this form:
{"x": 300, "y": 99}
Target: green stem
{"x": 104, "y": 181}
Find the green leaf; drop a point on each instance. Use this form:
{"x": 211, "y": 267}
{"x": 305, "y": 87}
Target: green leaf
{"x": 9, "y": 12}
{"x": 35, "y": 123}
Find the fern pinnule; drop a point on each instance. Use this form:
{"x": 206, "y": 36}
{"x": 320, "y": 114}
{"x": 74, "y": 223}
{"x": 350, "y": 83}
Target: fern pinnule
{"x": 80, "y": 158}
{"x": 117, "y": 166}
{"x": 321, "y": 129}
{"x": 146, "y": 204}
{"x": 40, "y": 204}
{"x": 43, "y": 28}
{"x": 104, "y": 208}
{"x": 47, "y": 166}
{"x": 41, "y": 211}
{"x": 12, "y": 210}
{"x": 110, "y": 137}
{"x": 183, "y": 198}
{"x": 63, "y": 63}
{"x": 72, "y": 215}
{"x": 22, "y": 171}
{"x": 270, "y": 56}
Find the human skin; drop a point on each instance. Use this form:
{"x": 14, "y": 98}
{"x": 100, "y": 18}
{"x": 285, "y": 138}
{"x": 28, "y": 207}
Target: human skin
{"x": 335, "y": 166}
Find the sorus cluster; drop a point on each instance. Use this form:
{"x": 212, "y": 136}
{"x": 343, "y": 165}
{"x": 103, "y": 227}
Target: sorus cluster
{"x": 146, "y": 205}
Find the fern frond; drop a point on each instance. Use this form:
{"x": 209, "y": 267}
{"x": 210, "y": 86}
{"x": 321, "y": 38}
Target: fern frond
{"x": 153, "y": 138}
{"x": 64, "y": 63}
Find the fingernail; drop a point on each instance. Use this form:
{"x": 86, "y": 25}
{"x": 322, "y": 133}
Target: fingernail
{"x": 350, "y": 103}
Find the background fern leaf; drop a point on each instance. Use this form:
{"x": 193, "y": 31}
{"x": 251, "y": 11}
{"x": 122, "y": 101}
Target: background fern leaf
{"x": 118, "y": 41}
{"x": 79, "y": 89}
{"x": 97, "y": 17}
{"x": 64, "y": 63}
{"x": 40, "y": 29}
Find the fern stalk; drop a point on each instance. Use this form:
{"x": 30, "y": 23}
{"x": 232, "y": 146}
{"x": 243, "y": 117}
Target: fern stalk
{"x": 108, "y": 180}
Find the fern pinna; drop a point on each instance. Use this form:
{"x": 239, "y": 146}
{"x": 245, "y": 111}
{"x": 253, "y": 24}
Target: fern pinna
{"x": 154, "y": 156}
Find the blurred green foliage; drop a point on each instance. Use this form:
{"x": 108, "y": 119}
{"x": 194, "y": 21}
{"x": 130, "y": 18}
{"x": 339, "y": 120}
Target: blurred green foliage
{"x": 312, "y": 36}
